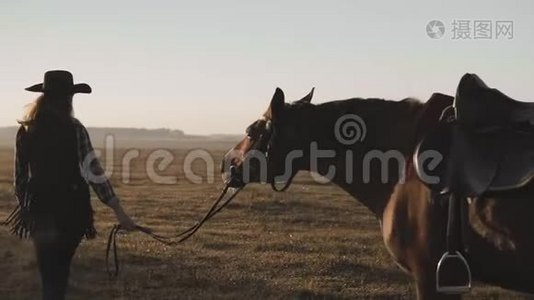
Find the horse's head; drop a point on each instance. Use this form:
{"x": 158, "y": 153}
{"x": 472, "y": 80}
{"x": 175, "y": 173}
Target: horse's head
{"x": 261, "y": 155}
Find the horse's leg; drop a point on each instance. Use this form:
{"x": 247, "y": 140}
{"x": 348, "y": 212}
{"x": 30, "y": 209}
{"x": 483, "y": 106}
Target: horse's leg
{"x": 414, "y": 233}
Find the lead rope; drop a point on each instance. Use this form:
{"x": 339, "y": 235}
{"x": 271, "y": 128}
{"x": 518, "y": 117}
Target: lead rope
{"x": 112, "y": 243}
{"x": 166, "y": 240}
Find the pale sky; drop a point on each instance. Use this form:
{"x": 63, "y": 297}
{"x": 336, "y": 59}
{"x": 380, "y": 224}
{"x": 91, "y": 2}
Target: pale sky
{"x": 212, "y": 66}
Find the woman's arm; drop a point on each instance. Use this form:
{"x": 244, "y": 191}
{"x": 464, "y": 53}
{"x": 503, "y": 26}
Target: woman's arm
{"x": 21, "y": 166}
{"x": 94, "y": 174}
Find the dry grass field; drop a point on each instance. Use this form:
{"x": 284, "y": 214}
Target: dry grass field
{"x": 312, "y": 242}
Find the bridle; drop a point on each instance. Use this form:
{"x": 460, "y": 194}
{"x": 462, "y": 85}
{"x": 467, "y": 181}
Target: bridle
{"x": 264, "y": 142}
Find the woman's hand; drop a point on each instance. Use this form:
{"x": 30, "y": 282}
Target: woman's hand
{"x": 124, "y": 220}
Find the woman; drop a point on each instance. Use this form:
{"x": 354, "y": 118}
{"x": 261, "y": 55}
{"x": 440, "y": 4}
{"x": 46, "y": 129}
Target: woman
{"x": 55, "y": 165}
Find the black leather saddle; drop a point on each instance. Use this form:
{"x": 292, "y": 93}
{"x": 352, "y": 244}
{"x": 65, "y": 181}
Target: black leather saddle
{"x": 485, "y": 142}
{"x": 480, "y": 107}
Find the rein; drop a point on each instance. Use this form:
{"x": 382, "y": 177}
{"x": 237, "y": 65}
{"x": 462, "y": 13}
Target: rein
{"x": 284, "y": 188}
{"x": 167, "y": 240}
{"x": 263, "y": 142}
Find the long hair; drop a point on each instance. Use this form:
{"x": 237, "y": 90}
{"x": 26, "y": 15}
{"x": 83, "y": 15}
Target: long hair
{"x": 47, "y": 106}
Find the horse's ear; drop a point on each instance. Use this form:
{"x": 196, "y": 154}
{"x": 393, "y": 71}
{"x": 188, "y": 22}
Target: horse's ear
{"x": 307, "y": 98}
{"x": 277, "y": 103}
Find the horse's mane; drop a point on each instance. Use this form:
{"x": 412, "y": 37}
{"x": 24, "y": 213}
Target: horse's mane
{"x": 375, "y": 110}
{"x": 407, "y": 103}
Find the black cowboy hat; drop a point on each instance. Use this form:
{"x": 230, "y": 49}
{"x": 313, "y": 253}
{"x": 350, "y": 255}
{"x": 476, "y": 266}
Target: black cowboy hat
{"x": 59, "y": 81}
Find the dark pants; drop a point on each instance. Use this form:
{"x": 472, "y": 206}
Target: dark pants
{"x": 54, "y": 250}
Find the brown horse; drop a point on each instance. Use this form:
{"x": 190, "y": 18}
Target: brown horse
{"x": 288, "y": 137}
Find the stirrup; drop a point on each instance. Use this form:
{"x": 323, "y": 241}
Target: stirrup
{"x": 449, "y": 258}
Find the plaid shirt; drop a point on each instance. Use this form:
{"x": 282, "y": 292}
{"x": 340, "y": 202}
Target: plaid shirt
{"x": 90, "y": 167}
